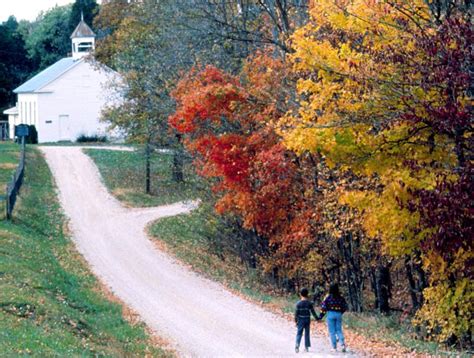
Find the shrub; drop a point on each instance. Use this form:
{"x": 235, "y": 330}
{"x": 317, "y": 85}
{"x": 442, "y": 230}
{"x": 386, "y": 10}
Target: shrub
{"x": 32, "y": 137}
{"x": 96, "y": 138}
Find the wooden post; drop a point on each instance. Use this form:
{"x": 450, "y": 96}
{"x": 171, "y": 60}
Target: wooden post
{"x": 23, "y": 147}
{"x": 7, "y": 204}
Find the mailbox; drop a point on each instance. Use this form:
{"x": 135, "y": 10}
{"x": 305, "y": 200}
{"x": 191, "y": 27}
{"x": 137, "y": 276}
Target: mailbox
{"x": 22, "y": 130}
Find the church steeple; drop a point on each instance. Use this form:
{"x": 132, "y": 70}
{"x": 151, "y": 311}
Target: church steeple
{"x": 83, "y": 39}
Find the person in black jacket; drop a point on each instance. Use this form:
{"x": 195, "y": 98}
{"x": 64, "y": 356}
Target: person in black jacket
{"x": 304, "y": 310}
{"x": 334, "y": 306}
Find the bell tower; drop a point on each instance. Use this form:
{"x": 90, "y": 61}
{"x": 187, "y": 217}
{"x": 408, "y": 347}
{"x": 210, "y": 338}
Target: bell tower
{"x": 83, "y": 40}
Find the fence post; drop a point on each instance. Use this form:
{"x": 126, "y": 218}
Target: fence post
{"x": 14, "y": 186}
{"x": 23, "y": 148}
{"x": 7, "y": 204}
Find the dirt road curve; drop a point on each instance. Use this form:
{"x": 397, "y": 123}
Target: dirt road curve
{"x": 198, "y": 316}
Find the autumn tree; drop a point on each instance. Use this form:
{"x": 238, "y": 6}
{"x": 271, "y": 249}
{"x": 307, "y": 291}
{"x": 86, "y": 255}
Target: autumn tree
{"x": 110, "y": 16}
{"x": 227, "y": 125}
{"x": 384, "y": 95}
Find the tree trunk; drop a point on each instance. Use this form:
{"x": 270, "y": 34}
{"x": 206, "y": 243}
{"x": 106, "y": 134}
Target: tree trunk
{"x": 422, "y": 282}
{"x": 383, "y": 287}
{"x": 373, "y": 284}
{"x": 178, "y": 174}
{"x": 412, "y": 284}
{"x": 147, "y": 168}
{"x": 178, "y": 162}
{"x": 459, "y": 148}
{"x": 349, "y": 251}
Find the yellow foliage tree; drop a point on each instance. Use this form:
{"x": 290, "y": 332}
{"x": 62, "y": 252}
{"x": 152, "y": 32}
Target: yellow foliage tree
{"x": 377, "y": 98}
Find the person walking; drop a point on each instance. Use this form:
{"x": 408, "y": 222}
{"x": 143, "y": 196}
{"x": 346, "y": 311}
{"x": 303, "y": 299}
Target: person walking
{"x": 303, "y": 311}
{"x": 334, "y": 306}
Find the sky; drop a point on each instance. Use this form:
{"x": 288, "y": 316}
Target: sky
{"x": 27, "y": 9}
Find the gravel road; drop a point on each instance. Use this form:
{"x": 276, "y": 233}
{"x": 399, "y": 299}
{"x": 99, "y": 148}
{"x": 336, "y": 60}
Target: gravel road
{"x": 199, "y": 317}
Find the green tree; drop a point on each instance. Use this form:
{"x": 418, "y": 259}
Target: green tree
{"x": 47, "y": 39}
{"x": 15, "y": 66}
{"x": 149, "y": 57}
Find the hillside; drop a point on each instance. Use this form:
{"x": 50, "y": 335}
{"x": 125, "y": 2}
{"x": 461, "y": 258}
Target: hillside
{"x": 50, "y": 304}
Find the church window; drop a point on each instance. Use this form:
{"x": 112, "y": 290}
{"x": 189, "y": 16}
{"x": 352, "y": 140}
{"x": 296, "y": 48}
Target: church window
{"x": 84, "y": 47}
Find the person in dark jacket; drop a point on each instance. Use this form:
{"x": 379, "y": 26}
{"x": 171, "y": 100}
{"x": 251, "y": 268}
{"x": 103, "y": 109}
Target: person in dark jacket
{"x": 304, "y": 310}
{"x": 334, "y": 306}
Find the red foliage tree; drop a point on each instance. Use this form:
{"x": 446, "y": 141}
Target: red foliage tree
{"x": 227, "y": 124}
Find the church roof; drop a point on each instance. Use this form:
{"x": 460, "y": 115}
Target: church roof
{"x": 12, "y": 111}
{"x": 83, "y": 30}
{"x": 48, "y": 75}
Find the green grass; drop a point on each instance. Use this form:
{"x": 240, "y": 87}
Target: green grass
{"x": 50, "y": 303}
{"x": 124, "y": 175}
{"x": 9, "y": 159}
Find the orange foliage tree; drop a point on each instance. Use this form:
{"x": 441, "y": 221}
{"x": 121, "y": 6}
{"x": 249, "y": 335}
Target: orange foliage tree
{"x": 227, "y": 124}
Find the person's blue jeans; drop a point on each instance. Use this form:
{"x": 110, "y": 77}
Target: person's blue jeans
{"x": 334, "y": 322}
{"x": 303, "y": 325}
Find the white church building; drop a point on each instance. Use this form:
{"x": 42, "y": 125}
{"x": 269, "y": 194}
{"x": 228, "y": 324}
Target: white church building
{"x": 65, "y": 100}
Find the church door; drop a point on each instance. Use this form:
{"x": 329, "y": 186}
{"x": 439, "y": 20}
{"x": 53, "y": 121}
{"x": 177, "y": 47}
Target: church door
{"x": 64, "y": 127}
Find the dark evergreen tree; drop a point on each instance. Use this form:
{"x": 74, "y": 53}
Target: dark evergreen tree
{"x": 88, "y": 8}
{"x": 15, "y": 66}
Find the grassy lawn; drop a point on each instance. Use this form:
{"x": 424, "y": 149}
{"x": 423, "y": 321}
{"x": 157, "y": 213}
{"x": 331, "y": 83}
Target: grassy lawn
{"x": 124, "y": 175}
{"x": 50, "y": 303}
{"x": 9, "y": 158}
